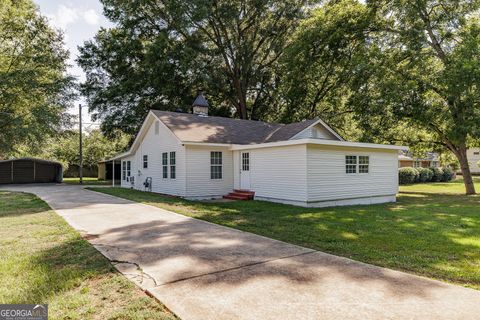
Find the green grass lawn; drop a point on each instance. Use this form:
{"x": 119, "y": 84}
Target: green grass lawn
{"x": 453, "y": 187}
{"x": 88, "y": 181}
{"x": 43, "y": 260}
{"x": 434, "y": 235}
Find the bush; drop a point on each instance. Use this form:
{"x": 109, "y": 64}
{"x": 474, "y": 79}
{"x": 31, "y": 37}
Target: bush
{"x": 407, "y": 175}
{"x": 448, "y": 174}
{"x": 437, "y": 174}
{"x": 425, "y": 174}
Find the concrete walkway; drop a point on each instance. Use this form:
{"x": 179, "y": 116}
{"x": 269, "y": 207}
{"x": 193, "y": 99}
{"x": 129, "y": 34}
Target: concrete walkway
{"x": 204, "y": 271}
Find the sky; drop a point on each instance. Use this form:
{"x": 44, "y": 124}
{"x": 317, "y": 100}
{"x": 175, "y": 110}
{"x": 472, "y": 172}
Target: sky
{"x": 79, "y": 21}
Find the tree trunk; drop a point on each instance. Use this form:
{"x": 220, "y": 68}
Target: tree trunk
{"x": 467, "y": 175}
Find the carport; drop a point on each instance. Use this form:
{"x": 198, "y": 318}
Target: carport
{"x": 30, "y": 170}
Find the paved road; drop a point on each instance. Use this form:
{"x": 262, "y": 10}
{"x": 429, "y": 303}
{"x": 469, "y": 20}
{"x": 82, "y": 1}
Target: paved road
{"x": 204, "y": 271}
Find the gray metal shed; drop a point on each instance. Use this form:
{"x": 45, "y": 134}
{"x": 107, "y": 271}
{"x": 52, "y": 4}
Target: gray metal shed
{"x": 30, "y": 170}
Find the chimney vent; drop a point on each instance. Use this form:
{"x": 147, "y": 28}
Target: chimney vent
{"x": 200, "y": 105}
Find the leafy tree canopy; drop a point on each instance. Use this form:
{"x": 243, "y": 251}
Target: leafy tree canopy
{"x": 34, "y": 88}
{"x": 64, "y": 148}
{"x": 161, "y": 52}
{"x": 422, "y": 73}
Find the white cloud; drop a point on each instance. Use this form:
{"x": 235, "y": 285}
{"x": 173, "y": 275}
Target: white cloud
{"x": 67, "y": 15}
{"x": 63, "y": 17}
{"x": 91, "y": 17}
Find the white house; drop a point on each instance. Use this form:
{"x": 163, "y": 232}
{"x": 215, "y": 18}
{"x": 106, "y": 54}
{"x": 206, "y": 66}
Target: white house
{"x": 473, "y": 156}
{"x": 197, "y": 156}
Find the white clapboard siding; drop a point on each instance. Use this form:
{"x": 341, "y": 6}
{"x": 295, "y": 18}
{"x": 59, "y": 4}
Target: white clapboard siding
{"x": 153, "y": 145}
{"x": 327, "y": 179}
{"x": 198, "y": 182}
{"x": 276, "y": 173}
{"x": 316, "y": 132}
{"x": 473, "y": 156}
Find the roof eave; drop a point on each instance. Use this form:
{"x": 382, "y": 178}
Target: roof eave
{"x": 320, "y": 142}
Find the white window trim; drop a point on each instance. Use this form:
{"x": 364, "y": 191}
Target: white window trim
{"x": 242, "y": 161}
{"x": 129, "y": 171}
{"x": 167, "y": 165}
{"x": 143, "y": 161}
{"x": 170, "y": 165}
{"x": 357, "y": 165}
{"x": 218, "y": 165}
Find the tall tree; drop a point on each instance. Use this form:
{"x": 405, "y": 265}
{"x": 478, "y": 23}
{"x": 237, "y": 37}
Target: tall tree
{"x": 161, "y": 51}
{"x": 323, "y": 56}
{"x": 423, "y": 72}
{"x": 63, "y": 147}
{"x": 34, "y": 88}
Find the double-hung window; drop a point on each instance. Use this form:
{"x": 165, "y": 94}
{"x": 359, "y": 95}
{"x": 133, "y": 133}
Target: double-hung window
{"x": 417, "y": 164}
{"x": 216, "y": 165}
{"x": 129, "y": 167}
{"x": 173, "y": 171}
{"x": 124, "y": 170}
{"x": 357, "y": 164}
{"x": 351, "y": 164}
{"x": 165, "y": 165}
{"x": 363, "y": 164}
{"x": 145, "y": 161}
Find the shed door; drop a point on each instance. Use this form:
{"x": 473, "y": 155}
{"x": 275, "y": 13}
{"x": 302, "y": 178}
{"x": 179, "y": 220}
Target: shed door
{"x": 6, "y": 172}
{"x": 45, "y": 172}
{"x": 245, "y": 170}
{"x": 23, "y": 171}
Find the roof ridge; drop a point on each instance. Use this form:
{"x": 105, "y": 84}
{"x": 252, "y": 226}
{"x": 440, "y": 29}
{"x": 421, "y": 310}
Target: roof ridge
{"x": 220, "y": 117}
{"x": 214, "y": 129}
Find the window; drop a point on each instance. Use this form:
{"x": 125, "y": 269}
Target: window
{"x": 165, "y": 165}
{"x": 157, "y": 127}
{"x": 434, "y": 164}
{"x": 417, "y": 164}
{"x": 173, "y": 173}
{"x": 246, "y": 161}
{"x": 354, "y": 164}
{"x": 351, "y": 164}
{"x": 124, "y": 170}
{"x": 215, "y": 165}
{"x": 363, "y": 163}
{"x": 129, "y": 167}
{"x": 476, "y": 153}
{"x": 145, "y": 161}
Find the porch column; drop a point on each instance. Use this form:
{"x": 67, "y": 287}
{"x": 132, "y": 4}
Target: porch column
{"x": 113, "y": 173}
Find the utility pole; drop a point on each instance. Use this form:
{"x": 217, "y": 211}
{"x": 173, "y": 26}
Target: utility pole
{"x": 80, "y": 167}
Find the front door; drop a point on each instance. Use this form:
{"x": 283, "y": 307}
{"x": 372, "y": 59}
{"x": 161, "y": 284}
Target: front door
{"x": 245, "y": 170}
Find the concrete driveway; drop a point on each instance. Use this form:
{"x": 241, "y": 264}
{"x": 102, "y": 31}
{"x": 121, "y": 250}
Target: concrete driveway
{"x": 204, "y": 271}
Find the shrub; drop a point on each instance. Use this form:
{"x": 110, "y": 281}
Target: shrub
{"x": 417, "y": 175}
{"x": 407, "y": 175}
{"x": 425, "y": 175}
{"x": 437, "y": 174}
{"x": 448, "y": 174}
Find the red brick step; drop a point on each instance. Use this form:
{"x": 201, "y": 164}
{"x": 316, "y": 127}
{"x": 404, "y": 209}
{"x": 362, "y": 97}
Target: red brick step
{"x": 240, "y": 195}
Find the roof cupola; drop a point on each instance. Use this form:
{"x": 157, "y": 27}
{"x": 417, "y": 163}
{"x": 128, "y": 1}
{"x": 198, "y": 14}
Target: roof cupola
{"x": 200, "y": 105}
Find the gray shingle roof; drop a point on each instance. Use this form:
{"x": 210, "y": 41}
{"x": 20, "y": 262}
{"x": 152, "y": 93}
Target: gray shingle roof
{"x": 200, "y": 101}
{"x": 193, "y": 128}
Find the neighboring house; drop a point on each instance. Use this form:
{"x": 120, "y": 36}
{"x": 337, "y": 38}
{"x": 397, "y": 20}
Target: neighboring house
{"x": 197, "y": 156}
{"x": 473, "y": 156}
{"x": 407, "y": 160}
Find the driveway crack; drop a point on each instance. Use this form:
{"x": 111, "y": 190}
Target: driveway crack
{"x": 142, "y": 272}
